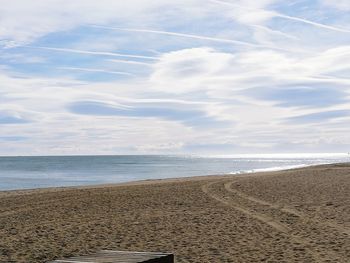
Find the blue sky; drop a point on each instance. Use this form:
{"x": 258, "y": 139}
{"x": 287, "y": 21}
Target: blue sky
{"x": 187, "y": 76}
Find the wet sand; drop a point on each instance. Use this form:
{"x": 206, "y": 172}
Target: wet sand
{"x": 300, "y": 215}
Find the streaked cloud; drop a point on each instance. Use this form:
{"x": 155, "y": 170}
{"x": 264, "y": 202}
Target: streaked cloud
{"x": 97, "y": 70}
{"x": 342, "y": 5}
{"x": 130, "y": 62}
{"x": 98, "y": 53}
{"x": 169, "y": 33}
{"x": 257, "y": 14}
{"x": 216, "y": 77}
{"x": 11, "y": 118}
{"x": 13, "y": 138}
{"x": 320, "y": 117}
{"x": 173, "y": 112}
{"x": 314, "y": 95}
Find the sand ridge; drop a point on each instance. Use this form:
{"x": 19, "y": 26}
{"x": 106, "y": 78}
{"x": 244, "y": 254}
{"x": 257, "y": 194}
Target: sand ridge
{"x": 299, "y": 215}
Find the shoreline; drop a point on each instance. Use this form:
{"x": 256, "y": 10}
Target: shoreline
{"x": 252, "y": 172}
{"x": 41, "y": 173}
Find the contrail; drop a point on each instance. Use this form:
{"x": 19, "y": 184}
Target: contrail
{"x": 294, "y": 18}
{"x": 169, "y": 33}
{"x": 97, "y": 70}
{"x": 130, "y": 62}
{"x": 313, "y": 23}
{"x": 112, "y": 54}
{"x": 264, "y": 28}
{"x": 221, "y": 40}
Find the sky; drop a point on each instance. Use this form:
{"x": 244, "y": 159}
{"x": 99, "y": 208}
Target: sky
{"x": 174, "y": 77}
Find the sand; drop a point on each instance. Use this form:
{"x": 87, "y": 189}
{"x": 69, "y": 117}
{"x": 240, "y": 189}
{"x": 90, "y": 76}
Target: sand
{"x": 300, "y": 215}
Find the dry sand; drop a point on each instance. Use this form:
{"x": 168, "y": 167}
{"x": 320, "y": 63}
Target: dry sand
{"x": 300, "y": 215}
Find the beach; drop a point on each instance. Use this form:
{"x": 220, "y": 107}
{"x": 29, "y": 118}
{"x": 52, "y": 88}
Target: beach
{"x": 299, "y": 215}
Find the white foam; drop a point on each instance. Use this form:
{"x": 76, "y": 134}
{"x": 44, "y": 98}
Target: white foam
{"x": 281, "y": 155}
{"x": 276, "y": 168}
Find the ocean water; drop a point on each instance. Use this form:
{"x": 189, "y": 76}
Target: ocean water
{"x": 53, "y": 171}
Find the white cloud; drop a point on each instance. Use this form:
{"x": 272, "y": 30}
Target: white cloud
{"x": 249, "y": 12}
{"x": 204, "y": 69}
{"x": 188, "y": 70}
{"x": 343, "y": 5}
{"x": 269, "y": 36}
{"x": 223, "y": 75}
{"x": 23, "y": 22}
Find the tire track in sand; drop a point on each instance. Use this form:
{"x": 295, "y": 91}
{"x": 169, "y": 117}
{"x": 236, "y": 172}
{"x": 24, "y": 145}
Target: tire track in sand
{"x": 267, "y": 220}
{"x": 288, "y": 210}
{"x": 280, "y": 227}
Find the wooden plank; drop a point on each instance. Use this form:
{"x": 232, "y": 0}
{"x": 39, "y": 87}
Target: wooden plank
{"x": 113, "y": 256}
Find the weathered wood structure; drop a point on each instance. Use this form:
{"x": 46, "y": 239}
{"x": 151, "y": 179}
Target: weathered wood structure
{"x": 111, "y": 256}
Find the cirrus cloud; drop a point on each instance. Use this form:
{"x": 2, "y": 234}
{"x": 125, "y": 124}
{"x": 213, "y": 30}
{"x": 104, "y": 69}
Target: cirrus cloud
{"x": 179, "y": 77}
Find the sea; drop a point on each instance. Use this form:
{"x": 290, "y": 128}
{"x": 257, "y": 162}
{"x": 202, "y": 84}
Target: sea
{"x": 61, "y": 171}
